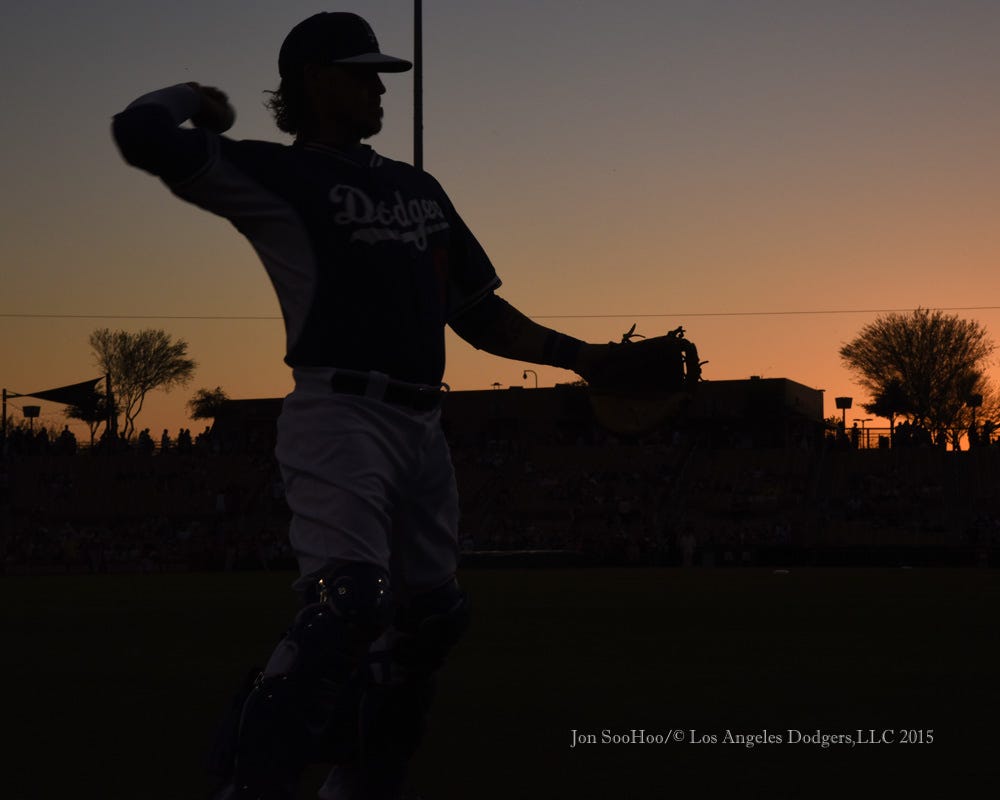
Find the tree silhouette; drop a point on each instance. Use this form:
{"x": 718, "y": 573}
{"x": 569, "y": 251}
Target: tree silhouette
{"x": 922, "y": 365}
{"x": 987, "y": 410}
{"x": 890, "y": 402}
{"x": 93, "y": 410}
{"x": 206, "y": 403}
{"x": 139, "y": 363}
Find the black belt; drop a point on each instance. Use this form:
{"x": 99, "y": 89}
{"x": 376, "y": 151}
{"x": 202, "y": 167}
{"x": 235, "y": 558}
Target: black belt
{"x": 419, "y": 398}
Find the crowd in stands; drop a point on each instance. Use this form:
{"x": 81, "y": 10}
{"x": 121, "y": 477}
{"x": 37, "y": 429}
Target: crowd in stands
{"x": 209, "y": 502}
{"x": 186, "y": 504}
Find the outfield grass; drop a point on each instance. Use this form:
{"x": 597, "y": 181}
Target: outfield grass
{"x": 113, "y": 683}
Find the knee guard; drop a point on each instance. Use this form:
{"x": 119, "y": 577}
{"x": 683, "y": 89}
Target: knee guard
{"x": 398, "y": 697}
{"x": 429, "y": 627}
{"x": 310, "y": 679}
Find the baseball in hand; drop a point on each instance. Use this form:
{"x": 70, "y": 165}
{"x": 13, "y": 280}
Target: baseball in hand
{"x": 215, "y": 114}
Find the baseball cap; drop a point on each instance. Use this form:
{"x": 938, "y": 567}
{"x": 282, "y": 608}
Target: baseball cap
{"x": 335, "y": 37}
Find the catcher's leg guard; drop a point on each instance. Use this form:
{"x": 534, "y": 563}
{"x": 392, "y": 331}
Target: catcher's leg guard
{"x": 398, "y": 696}
{"x": 308, "y": 682}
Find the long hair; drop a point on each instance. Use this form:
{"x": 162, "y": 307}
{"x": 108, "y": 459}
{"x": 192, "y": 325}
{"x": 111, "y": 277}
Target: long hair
{"x": 288, "y": 106}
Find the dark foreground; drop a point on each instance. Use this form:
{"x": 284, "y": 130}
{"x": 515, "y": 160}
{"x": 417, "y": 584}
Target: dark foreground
{"x": 113, "y": 684}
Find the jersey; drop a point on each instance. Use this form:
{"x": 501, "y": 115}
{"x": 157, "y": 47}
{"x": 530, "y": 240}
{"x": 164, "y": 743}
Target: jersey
{"x": 368, "y": 257}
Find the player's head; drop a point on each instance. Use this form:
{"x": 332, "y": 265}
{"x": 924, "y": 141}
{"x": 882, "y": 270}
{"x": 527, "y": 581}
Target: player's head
{"x": 329, "y": 66}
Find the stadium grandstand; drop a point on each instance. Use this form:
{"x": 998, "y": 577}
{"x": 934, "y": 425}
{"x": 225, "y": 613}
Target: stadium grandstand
{"x": 753, "y": 476}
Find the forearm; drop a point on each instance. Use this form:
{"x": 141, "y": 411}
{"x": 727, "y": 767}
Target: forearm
{"x": 148, "y": 136}
{"x": 497, "y": 327}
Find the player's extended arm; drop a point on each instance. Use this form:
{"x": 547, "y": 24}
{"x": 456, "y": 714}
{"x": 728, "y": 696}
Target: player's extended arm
{"x": 494, "y": 325}
{"x": 148, "y": 136}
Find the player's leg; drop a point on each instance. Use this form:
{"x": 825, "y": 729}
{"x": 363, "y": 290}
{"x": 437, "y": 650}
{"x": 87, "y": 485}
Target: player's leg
{"x": 339, "y": 466}
{"x": 431, "y": 617}
{"x": 397, "y": 695}
{"x": 397, "y": 699}
{"x": 310, "y": 683}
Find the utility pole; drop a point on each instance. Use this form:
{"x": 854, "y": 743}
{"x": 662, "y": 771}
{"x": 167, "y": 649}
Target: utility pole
{"x": 418, "y": 85}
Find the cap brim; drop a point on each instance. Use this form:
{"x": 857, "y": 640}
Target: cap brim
{"x": 380, "y": 62}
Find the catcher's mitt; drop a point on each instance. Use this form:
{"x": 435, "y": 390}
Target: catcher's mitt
{"x": 637, "y": 386}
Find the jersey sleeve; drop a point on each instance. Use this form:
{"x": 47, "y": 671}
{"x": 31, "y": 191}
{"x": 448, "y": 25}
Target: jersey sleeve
{"x": 215, "y": 173}
{"x": 232, "y": 179}
{"x": 471, "y": 275}
{"x": 148, "y": 135}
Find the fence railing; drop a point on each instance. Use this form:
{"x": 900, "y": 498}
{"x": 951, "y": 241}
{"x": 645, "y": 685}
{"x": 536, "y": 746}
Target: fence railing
{"x": 869, "y": 438}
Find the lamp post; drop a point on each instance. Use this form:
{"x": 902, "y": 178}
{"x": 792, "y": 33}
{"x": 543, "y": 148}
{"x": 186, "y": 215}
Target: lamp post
{"x": 32, "y": 413}
{"x": 524, "y": 377}
{"x": 975, "y": 401}
{"x": 864, "y": 431}
{"x": 844, "y": 403}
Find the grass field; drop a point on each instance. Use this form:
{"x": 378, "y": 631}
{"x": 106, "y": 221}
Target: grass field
{"x": 113, "y": 684}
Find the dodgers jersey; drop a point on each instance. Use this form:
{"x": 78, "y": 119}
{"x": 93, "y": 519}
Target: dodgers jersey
{"x": 367, "y": 255}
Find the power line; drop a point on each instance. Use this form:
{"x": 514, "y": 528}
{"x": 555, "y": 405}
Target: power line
{"x": 134, "y": 316}
{"x": 813, "y": 312}
{"x": 676, "y": 314}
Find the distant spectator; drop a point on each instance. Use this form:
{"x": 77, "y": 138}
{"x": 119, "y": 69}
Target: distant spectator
{"x": 144, "y": 443}
{"x": 973, "y": 434}
{"x": 66, "y": 444}
{"x": 203, "y": 441}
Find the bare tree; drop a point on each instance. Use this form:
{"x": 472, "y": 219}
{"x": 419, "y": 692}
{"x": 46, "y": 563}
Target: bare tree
{"x": 924, "y": 364}
{"x": 139, "y": 363}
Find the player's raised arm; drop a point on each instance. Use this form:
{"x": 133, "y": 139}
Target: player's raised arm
{"x": 494, "y": 325}
{"x": 148, "y": 135}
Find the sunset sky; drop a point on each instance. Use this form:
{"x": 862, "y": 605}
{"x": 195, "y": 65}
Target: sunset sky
{"x": 728, "y": 166}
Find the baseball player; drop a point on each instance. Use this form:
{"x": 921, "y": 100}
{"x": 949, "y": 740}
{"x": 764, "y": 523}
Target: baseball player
{"x": 369, "y": 261}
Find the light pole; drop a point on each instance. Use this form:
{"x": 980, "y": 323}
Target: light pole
{"x": 524, "y": 377}
{"x": 864, "y": 432}
{"x": 31, "y": 413}
{"x": 844, "y": 403}
{"x": 418, "y": 85}
{"x": 975, "y": 401}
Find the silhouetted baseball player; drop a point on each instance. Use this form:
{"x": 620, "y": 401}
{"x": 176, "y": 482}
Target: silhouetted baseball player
{"x": 370, "y": 261}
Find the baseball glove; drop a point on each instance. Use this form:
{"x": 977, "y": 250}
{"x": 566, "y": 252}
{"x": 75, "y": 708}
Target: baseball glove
{"x": 638, "y": 386}
{"x": 663, "y": 363}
